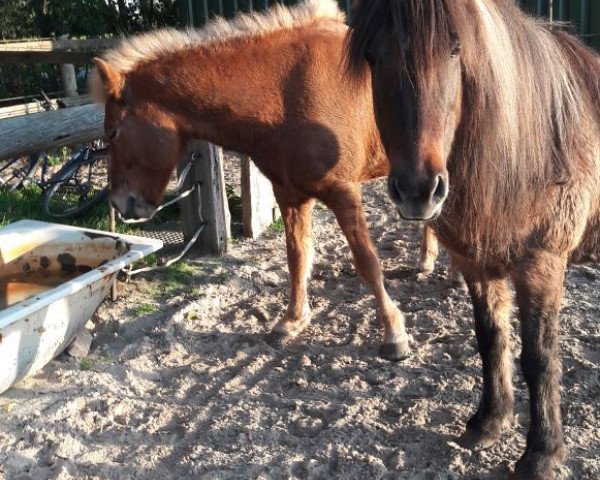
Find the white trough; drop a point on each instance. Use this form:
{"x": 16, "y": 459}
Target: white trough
{"x": 52, "y": 280}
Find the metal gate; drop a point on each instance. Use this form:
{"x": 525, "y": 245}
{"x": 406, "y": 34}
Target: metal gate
{"x": 200, "y": 11}
{"x": 584, "y": 15}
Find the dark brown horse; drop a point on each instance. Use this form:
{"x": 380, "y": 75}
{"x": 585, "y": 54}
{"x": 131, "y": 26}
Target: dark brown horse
{"x": 270, "y": 86}
{"x": 491, "y": 122}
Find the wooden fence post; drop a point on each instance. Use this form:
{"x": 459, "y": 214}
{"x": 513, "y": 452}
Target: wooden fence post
{"x": 259, "y": 207}
{"x": 68, "y": 79}
{"x": 210, "y": 206}
{"x": 112, "y": 227}
{"x": 67, "y": 76}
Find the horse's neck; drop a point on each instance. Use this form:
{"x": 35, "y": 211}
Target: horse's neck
{"x": 224, "y": 96}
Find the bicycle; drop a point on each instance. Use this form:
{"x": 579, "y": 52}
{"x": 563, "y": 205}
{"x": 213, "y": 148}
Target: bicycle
{"x": 78, "y": 186}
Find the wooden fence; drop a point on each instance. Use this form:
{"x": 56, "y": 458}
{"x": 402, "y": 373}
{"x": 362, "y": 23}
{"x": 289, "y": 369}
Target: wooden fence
{"x": 55, "y": 50}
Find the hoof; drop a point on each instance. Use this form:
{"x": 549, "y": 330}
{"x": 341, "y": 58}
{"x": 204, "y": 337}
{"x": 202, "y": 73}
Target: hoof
{"x": 538, "y": 465}
{"x": 394, "y": 351}
{"x": 421, "y": 277}
{"x": 425, "y": 268}
{"x": 277, "y": 339}
{"x": 527, "y": 476}
{"x": 524, "y": 473}
{"x": 477, "y": 440}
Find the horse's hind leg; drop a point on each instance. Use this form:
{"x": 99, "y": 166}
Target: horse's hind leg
{"x": 297, "y": 219}
{"x": 428, "y": 252}
{"x": 347, "y": 206}
{"x": 454, "y": 276}
{"x": 539, "y": 286}
{"x": 491, "y": 309}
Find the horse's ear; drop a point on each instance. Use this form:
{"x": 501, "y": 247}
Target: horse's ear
{"x": 108, "y": 81}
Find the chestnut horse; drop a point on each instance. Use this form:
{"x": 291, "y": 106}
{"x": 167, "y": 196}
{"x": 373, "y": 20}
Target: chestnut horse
{"x": 491, "y": 122}
{"x": 271, "y": 86}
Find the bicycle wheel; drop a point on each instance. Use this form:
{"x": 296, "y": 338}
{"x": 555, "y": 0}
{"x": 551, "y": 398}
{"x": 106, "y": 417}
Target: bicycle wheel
{"x": 15, "y": 171}
{"x": 78, "y": 186}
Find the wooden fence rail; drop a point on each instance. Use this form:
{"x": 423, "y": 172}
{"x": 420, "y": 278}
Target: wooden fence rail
{"x": 27, "y": 134}
{"x": 58, "y": 50}
{"x": 28, "y": 108}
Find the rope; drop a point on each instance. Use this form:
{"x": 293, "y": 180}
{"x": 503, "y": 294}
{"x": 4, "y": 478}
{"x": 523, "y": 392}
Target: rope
{"x": 182, "y": 178}
{"x": 166, "y": 263}
{"x": 129, "y": 272}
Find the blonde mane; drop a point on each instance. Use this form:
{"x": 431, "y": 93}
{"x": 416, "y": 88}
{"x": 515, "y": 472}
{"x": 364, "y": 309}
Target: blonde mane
{"x": 150, "y": 46}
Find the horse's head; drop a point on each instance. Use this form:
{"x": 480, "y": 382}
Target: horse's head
{"x": 414, "y": 57}
{"x": 145, "y": 145}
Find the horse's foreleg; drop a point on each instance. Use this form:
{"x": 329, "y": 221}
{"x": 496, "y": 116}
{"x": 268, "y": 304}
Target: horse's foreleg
{"x": 491, "y": 309}
{"x": 428, "y": 252}
{"x": 297, "y": 219}
{"x": 539, "y": 286}
{"x": 347, "y": 207}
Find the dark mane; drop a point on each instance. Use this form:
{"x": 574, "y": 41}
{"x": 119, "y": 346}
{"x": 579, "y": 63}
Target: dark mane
{"x": 368, "y": 18}
{"x": 430, "y": 26}
{"x": 531, "y": 100}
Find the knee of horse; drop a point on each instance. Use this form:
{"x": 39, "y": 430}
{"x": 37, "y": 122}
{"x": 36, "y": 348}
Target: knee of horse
{"x": 537, "y": 365}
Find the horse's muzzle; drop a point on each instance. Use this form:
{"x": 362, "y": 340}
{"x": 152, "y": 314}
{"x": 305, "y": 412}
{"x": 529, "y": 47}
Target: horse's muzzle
{"x": 418, "y": 197}
{"x": 131, "y": 206}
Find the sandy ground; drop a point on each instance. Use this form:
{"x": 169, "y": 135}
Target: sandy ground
{"x": 192, "y": 392}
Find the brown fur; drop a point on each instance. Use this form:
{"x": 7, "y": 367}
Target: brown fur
{"x": 524, "y": 170}
{"x": 277, "y": 95}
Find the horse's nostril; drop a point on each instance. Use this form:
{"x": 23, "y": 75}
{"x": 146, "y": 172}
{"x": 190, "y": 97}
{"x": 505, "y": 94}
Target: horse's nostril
{"x": 130, "y": 204}
{"x": 440, "y": 189}
{"x": 130, "y": 208}
{"x": 394, "y": 189}
{"x": 398, "y": 189}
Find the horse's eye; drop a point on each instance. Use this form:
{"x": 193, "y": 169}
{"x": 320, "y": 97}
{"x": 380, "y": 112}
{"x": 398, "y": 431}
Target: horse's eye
{"x": 455, "y": 51}
{"x": 369, "y": 57}
{"x": 112, "y": 135}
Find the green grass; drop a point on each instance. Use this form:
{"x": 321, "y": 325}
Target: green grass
{"x": 87, "y": 363}
{"x": 59, "y": 156}
{"x": 176, "y": 278}
{"x": 15, "y": 205}
{"x": 168, "y": 282}
{"x": 277, "y": 226}
{"x": 320, "y": 206}
{"x": 27, "y": 203}
{"x": 143, "y": 309}
{"x": 234, "y": 202}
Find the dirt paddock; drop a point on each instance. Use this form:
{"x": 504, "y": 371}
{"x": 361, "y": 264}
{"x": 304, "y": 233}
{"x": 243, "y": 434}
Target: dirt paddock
{"x": 187, "y": 389}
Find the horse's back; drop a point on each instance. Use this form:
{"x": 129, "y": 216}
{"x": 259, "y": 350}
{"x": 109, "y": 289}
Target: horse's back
{"x": 329, "y": 120}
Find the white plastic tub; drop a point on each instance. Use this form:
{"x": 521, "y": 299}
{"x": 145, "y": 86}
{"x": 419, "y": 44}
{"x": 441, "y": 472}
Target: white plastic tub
{"x": 35, "y": 254}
